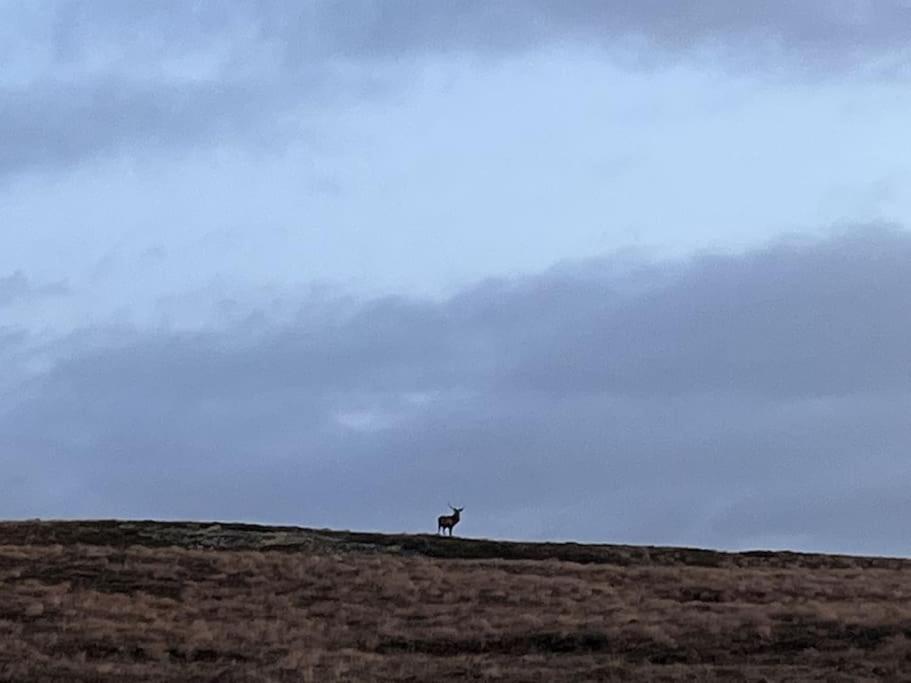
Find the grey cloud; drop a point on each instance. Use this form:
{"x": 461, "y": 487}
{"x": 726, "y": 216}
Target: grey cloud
{"x": 111, "y": 76}
{"x": 52, "y": 124}
{"x": 18, "y": 288}
{"x": 838, "y": 31}
{"x": 49, "y": 125}
{"x": 769, "y": 323}
{"x": 725, "y": 401}
{"x": 154, "y": 253}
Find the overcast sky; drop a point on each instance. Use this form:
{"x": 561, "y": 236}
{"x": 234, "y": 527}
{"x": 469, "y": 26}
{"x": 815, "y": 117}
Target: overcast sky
{"x": 601, "y": 271}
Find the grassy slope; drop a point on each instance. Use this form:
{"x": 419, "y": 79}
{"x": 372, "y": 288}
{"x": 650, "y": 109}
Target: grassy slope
{"x": 108, "y": 600}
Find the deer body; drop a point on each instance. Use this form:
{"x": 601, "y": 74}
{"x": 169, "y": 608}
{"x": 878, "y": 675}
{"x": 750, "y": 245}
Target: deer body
{"x": 448, "y": 521}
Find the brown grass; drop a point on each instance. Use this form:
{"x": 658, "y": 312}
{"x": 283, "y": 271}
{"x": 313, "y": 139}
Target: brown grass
{"x": 94, "y": 601}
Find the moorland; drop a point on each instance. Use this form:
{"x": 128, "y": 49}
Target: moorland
{"x": 170, "y": 601}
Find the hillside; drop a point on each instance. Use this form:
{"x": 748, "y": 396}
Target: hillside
{"x": 141, "y": 601}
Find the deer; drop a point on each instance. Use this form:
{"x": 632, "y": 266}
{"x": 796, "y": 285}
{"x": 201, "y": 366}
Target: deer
{"x": 448, "y": 521}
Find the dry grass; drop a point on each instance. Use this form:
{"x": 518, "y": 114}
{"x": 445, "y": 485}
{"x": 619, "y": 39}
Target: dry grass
{"x": 337, "y": 608}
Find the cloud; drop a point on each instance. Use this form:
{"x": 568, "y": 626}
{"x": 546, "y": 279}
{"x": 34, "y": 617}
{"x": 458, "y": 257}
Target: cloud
{"x": 17, "y": 288}
{"x": 723, "y": 400}
{"x": 768, "y": 323}
{"x": 50, "y": 125}
{"x": 835, "y": 34}
{"x": 88, "y": 79}
{"x": 225, "y": 34}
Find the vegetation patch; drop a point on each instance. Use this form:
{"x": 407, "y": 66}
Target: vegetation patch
{"x": 146, "y": 601}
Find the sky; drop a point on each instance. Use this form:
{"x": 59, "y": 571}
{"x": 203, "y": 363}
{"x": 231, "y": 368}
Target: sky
{"x": 598, "y": 271}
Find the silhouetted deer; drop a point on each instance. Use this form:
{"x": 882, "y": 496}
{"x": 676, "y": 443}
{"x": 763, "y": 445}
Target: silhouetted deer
{"x": 448, "y": 521}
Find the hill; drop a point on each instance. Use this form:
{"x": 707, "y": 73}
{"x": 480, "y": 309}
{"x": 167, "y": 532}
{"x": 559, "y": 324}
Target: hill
{"x": 163, "y": 601}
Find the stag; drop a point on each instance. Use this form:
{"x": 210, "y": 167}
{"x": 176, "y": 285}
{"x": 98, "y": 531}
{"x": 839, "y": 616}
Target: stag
{"x": 448, "y": 521}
